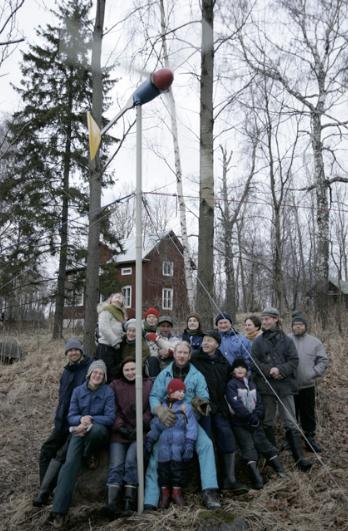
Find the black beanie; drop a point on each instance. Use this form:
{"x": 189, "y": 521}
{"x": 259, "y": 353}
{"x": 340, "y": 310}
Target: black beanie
{"x": 298, "y": 317}
{"x": 214, "y": 334}
{"x": 239, "y": 362}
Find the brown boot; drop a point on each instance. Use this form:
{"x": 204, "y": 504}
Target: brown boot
{"x": 165, "y": 498}
{"x": 177, "y": 496}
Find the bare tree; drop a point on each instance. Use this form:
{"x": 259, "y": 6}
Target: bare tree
{"x": 9, "y": 35}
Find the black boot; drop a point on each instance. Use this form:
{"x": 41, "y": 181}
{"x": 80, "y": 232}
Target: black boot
{"x": 130, "y": 499}
{"x": 311, "y": 443}
{"x": 113, "y": 509}
{"x": 45, "y": 488}
{"x": 230, "y": 482}
{"x": 295, "y": 443}
{"x": 255, "y": 475}
{"x": 277, "y": 466}
{"x": 269, "y": 431}
{"x": 210, "y": 499}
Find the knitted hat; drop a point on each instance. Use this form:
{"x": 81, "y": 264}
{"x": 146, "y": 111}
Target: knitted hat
{"x": 221, "y": 316}
{"x": 175, "y": 385}
{"x": 130, "y": 322}
{"x": 270, "y": 312}
{"x": 195, "y": 315}
{"x": 239, "y": 362}
{"x": 97, "y": 364}
{"x": 165, "y": 319}
{"x": 152, "y": 311}
{"x": 73, "y": 343}
{"x": 298, "y": 317}
{"x": 214, "y": 334}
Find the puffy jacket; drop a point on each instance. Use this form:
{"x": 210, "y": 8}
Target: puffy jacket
{"x": 110, "y": 329}
{"x": 128, "y": 349}
{"x": 275, "y": 349}
{"x": 124, "y": 393}
{"x": 313, "y": 360}
{"x": 195, "y": 382}
{"x": 73, "y": 375}
{"x": 172, "y": 440}
{"x": 99, "y": 404}
{"x": 195, "y": 340}
{"x": 233, "y": 345}
{"x": 245, "y": 402}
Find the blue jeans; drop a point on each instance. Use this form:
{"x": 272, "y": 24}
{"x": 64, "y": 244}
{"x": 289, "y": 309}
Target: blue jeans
{"x": 123, "y": 464}
{"x": 206, "y": 457}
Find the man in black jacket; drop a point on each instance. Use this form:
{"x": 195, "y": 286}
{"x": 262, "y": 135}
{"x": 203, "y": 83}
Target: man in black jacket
{"x": 53, "y": 450}
{"x": 275, "y": 361}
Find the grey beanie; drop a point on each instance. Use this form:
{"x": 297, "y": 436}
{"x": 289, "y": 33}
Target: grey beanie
{"x": 165, "y": 319}
{"x": 130, "y": 322}
{"x": 97, "y": 364}
{"x": 71, "y": 343}
{"x": 298, "y": 317}
{"x": 270, "y": 312}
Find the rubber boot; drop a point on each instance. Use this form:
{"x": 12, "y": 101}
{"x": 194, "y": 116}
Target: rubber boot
{"x": 45, "y": 488}
{"x": 177, "y": 496}
{"x": 255, "y": 475}
{"x": 210, "y": 499}
{"x": 295, "y": 443}
{"x": 130, "y": 499}
{"x": 112, "y": 510}
{"x": 230, "y": 482}
{"x": 269, "y": 431}
{"x": 277, "y": 466}
{"x": 165, "y": 498}
{"x": 311, "y": 443}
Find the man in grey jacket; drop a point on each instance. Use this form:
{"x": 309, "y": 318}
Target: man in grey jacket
{"x": 313, "y": 362}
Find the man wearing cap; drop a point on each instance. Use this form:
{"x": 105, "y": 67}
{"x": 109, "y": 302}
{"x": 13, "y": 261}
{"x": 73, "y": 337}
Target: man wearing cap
{"x": 92, "y": 412}
{"x": 164, "y": 340}
{"x": 233, "y": 345}
{"x": 275, "y": 362}
{"x": 53, "y": 450}
{"x": 313, "y": 362}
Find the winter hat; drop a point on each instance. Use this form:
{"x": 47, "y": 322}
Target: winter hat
{"x": 175, "y": 385}
{"x": 130, "y": 322}
{"x": 239, "y": 362}
{"x": 165, "y": 319}
{"x": 71, "y": 343}
{"x": 152, "y": 311}
{"x": 214, "y": 334}
{"x": 270, "y": 312}
{"x": 221, "y": 316}
{"x": 97, "y": 364}
{"x": 196, "y": 316}
{"x": 298, "y": 317}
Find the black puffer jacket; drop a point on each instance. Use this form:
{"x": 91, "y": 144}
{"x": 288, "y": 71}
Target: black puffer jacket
{"x": 275, "y": 349}
{"x": 216, "y": 371}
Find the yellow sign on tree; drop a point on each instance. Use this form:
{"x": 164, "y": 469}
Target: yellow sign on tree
{"x": 94, "y": 136}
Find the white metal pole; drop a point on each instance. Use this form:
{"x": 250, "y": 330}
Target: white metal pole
{"x": 138, "y": 311}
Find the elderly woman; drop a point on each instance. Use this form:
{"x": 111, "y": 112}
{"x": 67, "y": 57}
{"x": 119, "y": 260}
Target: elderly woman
{"x": 111, "y": 316}
{"x": 92, "y": 412}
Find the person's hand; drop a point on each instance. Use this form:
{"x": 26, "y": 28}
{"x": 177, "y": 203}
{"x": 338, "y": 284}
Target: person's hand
{"x": 254, "y": 421}
{"x": 274, "y": 372}
{"x": 86, "y": 420}
{"x": 201, "y": 405}
{"x": 151, "y": 336}
{"x": 80, "y": 431}
{"x": 166, "y": 416}
{"x": 163, "y": 353}
{"x": 188, "y": 450}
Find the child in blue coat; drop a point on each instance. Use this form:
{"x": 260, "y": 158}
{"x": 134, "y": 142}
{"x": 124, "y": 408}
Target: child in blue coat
{"x": 176, "y": 444}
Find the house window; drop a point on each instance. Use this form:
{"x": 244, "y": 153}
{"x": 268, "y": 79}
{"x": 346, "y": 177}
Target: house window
{"x": 126, "y": 271}
{"x": 167, "y": 269}
{"x": 167, "y": 298}
{"x": 127, "y": 293}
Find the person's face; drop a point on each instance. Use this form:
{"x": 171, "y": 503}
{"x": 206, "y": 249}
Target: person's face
{"x": 209, "y": 345}
{"x": 182, "y": 355}
{"x": 74, "y": 354}
{"x": 298, "y": 329}
{"x": 131, "y": 333}
{"x": 96, "y": 377}
{"x": 240, "y": 372}
{"x": 128, "y": 371}
{"x": 117, "y": 298}
{"x": 165, "y": 329}
{"x": 152, "y": 319}
{"x": 224, "y": 325}
{"x": 193, "y": 323}
{"x": 249, "y": 326}
{"x": 177, "y": 395}
{"x": 268, "y": 322}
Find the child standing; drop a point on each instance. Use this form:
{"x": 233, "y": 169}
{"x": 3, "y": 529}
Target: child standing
{"x": 247, "y": 414}
{"x": 175, "y": 446}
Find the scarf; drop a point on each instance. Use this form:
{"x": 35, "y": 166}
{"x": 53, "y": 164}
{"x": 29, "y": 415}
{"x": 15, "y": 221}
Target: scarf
{"x": 117, "y": 313}
{"x": 251, "y": 335}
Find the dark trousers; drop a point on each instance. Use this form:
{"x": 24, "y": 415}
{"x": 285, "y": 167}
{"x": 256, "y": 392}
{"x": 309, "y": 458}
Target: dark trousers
{"x": 252, "y": 443}
{"x": 221, "y": 428}
{"x": 305, "y": 409}
{"x": 112, "y": 358}
{"x": 54, "y": 447}
{"x": 172, "y": 474}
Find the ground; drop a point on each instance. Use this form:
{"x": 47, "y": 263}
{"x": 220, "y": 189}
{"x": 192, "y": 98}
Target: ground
{"x": 308, "y": 502}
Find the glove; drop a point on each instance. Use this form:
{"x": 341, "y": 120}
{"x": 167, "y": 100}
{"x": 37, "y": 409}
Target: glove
{"x": 131, "y": 434}
{"x": 188, "y": 450}
{"x": 151, "y": 336}
{"x": 166, "y": 416}
{"x": 201, "y": 405}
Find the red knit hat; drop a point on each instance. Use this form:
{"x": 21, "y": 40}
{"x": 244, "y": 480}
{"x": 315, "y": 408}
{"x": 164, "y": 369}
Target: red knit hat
{"x": 151, "y": 311}
{"x": 175, "y": 385}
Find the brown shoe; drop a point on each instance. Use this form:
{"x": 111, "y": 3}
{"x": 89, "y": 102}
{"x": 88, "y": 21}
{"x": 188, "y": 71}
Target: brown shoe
{"x": 165, "y": 498}
{"x": 177, "y": 496}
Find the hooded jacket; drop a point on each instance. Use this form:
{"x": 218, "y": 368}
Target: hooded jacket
{"x": 313, "y": 360}
{"x": 245, "y": 402}
{"x": 233, "y": 345}
{"x": 110, "y": 330}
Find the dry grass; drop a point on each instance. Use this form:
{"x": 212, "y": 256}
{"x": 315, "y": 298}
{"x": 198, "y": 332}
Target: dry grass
{"x": 316, "y": 501}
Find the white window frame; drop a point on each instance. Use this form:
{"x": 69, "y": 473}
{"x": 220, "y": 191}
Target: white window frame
{"x": 127, "y": 298}
{"x": 167, "y": 298}
{"x": 167, "y": 268}
{"x": 126, "y": 270}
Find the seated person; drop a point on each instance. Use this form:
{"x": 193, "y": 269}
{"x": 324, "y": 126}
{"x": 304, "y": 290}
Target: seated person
{"x": 92, "y": 412}
{"x": 53, "y": 450}
{"x": 196, "y": 386}
{"x": 193, "y": 333}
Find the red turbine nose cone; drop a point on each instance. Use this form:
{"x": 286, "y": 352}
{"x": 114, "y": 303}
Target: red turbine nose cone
{"x": 162, "y": 79}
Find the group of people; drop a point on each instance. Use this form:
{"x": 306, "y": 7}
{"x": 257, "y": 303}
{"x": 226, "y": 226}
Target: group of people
{"x": 212, "y": 393}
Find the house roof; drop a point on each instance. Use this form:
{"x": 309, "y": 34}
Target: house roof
{"x": 130, "y": 250}
{"x": 340, "y": 284}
